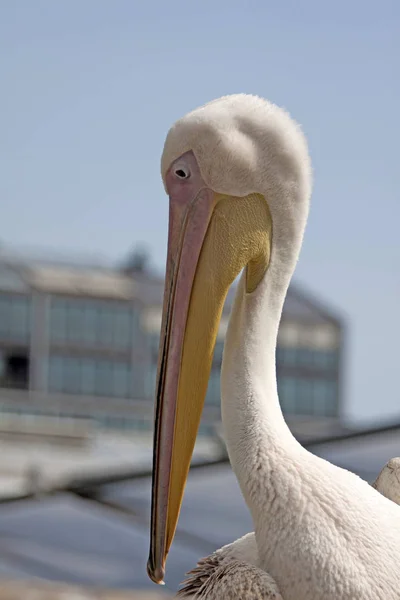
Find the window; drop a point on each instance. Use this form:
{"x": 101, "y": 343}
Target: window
{"x": 2, "y": 365}
{"x": 153, "y": 341}
{"x": 139, "y": 380}
{"x": 72, "y": 375}
{"x": 15, "y": 370}
{"x": 214, "y": 387}
{"x": 307, "y": 358}
{"x": 56, "y": 374}
{"x": 89, "y": 331}
{"x": 325, "y": 398}
{"x": 151, "y": 380}
{"x": 121, "y": 380}
{"x": 219, "y": 348}
{"x": 58, "y": 321}
{"x": 123, "y": 328}
{"x": 106, "y": 326}
{"x": 15, "y": 318}
{"x": 104, "y": 378}
{"x": 84, "y": 376}
{"x": 135, "y": 322}
{"x": 326, "y": 359}
{"x": 92, "y": 322}
{"x": 287, "y": 387}
{"x": 75, "y": 321}
{"x": 19, "y": 318}
{"x": 287, "y": 357}
{"x": 206, "y": 430}
{"x": 4, "y": 320}
{"x": 88, "y": 377}
{"x": 304, "y": 397}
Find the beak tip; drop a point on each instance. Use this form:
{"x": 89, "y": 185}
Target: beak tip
{"x": 156, "y": 574}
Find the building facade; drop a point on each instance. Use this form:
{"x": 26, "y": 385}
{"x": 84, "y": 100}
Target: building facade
{"x": 83, "y": 342}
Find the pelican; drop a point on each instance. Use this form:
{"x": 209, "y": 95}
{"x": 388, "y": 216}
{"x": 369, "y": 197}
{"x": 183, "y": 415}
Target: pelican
{"x": 230, "y": 572}
{"x": 238, "y": 175}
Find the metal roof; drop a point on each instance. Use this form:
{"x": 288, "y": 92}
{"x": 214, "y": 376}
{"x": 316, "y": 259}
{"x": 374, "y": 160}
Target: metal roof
{"x": 65, "y": 280}
{"x": 79, "y": 541}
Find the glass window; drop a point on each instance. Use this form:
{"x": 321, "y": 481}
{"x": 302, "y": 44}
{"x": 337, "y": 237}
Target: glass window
{"x": 287, "y": 356}
{"x": 305, "y": 357}
{"x": 19, "y": 318}
{"x": 206, "y": 430}
{"x": 104, "y": 378}
{"x": 135, "y": 319}
{"x": 2, "y": 365}
{"x": 56, "y": 374}
{"x": 106, "y": 326}
{"x": 151, "y": 380}
{"x": 75, "y": 322}
{"x": 72, "y": 375}
{"x": 121, "y": 383}
{"x": 90, "y": 320}
{"x": 139, "y": 381}
{"x": 123, "y": 327}
{"x": 326, "y": 359}
{"x": 279, "y": 355}
{"x": 88, "y": 377}
{"x": 214, "y": 387}
{"x": 58, "y": 320}
{"x": 4, "y": 316}
{"x": 331, "y": 399}
{"x": 219, "y": 348}
{"x": 325, "y": 397}
{"x": 14, "y": 317}
{"x": 287, "y": 387}
{"x": 154, "y": 343}
{"x": 305, "y": 397}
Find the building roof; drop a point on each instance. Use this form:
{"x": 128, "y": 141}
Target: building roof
{"x": 81, "y": 542}
{"x": 44, "y": 590}
{"x": 98, "y": 283}
{"x": 147, "y": 288}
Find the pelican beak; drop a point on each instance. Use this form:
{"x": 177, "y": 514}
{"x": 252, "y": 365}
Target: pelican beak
{"x": 185, "y": 357}
{"x": 211, "y": 238}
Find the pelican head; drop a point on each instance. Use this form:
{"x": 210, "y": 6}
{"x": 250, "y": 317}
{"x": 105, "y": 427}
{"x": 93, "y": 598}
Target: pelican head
{"x": 237, "y": 174}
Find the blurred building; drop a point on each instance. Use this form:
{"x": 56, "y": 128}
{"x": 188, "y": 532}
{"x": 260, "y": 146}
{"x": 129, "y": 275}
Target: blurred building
{"x": 83, "y": 342}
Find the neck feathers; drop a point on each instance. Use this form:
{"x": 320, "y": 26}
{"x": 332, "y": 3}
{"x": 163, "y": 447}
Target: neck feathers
{"x": 255, "y": 431}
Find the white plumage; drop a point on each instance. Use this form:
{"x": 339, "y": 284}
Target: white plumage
{"x": 321, "y": 533}
{"x": 233, "y": 571}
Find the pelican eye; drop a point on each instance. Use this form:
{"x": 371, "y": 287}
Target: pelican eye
{"x": 182, "y": 172}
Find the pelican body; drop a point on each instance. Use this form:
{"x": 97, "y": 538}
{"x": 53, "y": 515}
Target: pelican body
{"x": 238, "y": 175}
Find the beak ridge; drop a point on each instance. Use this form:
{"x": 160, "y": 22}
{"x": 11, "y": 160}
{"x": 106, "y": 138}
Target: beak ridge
{"x": 188, "y": 223}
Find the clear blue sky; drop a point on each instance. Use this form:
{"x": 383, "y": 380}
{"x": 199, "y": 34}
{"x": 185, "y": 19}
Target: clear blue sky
{"x": 89, "y": 89}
